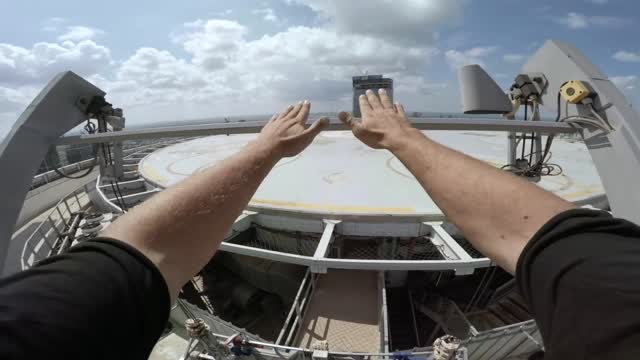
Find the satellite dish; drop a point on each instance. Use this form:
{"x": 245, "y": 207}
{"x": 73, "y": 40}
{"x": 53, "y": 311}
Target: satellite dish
{"x": 480, "y": 94}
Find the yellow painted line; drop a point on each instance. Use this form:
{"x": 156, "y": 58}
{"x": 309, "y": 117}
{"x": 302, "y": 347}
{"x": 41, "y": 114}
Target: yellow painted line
{"x": 329, "y": 207}
{"x": 581, "y": 194}
{"x": 151, "y": 173}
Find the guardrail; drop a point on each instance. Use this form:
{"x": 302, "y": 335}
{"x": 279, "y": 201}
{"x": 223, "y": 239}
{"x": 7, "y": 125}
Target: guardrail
{"x": 298, "y": 310}
{"x": 131, "y": 158}
{"x": 511, "y": 341}
{"x": 41, "y": 242}
{"x": 50, "y": 176}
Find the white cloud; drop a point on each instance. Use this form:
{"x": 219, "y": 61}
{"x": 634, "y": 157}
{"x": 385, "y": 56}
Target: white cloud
{"x": 19, "y": 66}
{"x": 514, "y": 58}
{"x": 630, "y": 87}
{"x": 401, "y": 20}
{"x": 625, "y": 82}
{"x": 13, "y": 101}
{"x": 457, "y": 59}
{"x": 212, "y": 43}
{"x": 267, "y": 14}
{"x": 79, "y": 33}
{"x": 627, "y": 56}
{"x": 576, "y": 21}
{"x": 238, "y": 74}
{"x": 224, "y": 71}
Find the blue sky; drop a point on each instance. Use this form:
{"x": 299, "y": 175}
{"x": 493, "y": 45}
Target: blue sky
{"x": 196, "y": 58}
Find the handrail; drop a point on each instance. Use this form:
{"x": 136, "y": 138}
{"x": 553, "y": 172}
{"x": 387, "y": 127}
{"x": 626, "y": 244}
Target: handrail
{"x": 503, "y": 332}
{"x": 52, "y": 175}
{"x": 61, "y": 206}
{"x": 546, "y": 127}
{"x": 289, "y": 321}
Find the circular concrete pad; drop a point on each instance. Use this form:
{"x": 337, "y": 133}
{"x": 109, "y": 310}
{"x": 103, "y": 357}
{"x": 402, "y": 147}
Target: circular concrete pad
{"x": 339, "y": 174}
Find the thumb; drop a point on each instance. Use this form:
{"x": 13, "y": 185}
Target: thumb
{"x": 348, "y": 120}
{"x": 317, "y": 127}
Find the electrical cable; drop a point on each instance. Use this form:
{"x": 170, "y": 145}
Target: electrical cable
{"x": 115, "y": 187}
{"x": 90, "y": 128}
{"x": 117, "y": 184}
{"x": 524, "y": 135}
{"x": 482, "y": 286}
{"x": 542, "y": 167}
{"x": 106, "y": 154}
{"x": 597, "y": 114}
{"x": 577, "y": 119}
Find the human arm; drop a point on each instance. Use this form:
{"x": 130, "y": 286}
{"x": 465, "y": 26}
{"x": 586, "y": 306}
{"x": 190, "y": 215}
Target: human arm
{"x": 180, "y": 229}
{"x": 497, "y": 212}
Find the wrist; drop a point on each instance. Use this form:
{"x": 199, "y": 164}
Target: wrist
{"x": 406, "y": 140}
{"x": 266, "y": 149}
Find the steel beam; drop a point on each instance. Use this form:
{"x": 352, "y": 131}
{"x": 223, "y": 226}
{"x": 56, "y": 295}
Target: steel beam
{"x": 323, "y": 245}
{"x": 266, "y": 254}
{"x": 449, "y": 247}
{"x": 545, "y": 127}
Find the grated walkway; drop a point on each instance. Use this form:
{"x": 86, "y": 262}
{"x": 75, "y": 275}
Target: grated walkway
{"x": 344, "y": 311}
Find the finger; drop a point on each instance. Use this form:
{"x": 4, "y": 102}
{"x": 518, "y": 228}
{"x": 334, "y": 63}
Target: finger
{"x": 294, "y": 112}
{"x": 316, "y": 128}
{"x": 384, "y": 99}
{"x": 364, "y": 104}
{"x": 275, "y": 116}
{"x": 303, "y": 115}
{"x": 285, "y": 112}
{"x": 400, "y": 109}
{"x": 374, "y": 100}
{"x": 345, "y": 118}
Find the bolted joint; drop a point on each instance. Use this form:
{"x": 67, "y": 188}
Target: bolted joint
{"x": 196, "y": 328}
{"x": 445, "y": 347}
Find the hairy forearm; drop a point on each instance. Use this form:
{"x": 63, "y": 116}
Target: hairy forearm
{"x": 497, "y": 212}
{"x": 180, "y": 228}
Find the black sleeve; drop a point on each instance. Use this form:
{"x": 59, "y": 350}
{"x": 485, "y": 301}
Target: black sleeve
{"x": 581, "y": 276}
{"x": 102, "y": 299}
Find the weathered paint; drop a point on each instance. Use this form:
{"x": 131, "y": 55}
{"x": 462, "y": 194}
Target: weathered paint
{"x": 337, "y": 173}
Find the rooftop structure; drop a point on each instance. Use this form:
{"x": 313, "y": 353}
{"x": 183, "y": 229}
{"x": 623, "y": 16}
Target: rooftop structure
{"x": 323, "y": 225}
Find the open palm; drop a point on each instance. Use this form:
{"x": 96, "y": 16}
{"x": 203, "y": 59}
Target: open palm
{"x": 287, "y": 129}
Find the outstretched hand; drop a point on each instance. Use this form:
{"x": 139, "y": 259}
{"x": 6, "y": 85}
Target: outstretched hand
{"x": 384, "y": 125}
{"x": 286, "y": 131}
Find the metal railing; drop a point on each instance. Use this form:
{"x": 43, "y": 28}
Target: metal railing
{"x": 506, "y": 342}
{"x": 131, "y": 158}
{"x": 41, "y": 242}
{"x": 298, "y": 310}
{"x": 50, "y": 176}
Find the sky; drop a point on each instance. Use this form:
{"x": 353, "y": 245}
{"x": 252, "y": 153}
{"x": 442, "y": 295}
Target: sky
{"x": 174, "y": 60}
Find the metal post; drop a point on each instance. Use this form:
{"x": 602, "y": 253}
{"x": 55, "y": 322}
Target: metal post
{"x": 298, "y": 311}
{"x": 59, "y": 212}
{"x": 53, "y": 224}
{"x": 511, "y": 143}
{"x": 44, "y": 237}
{"x": 67, "y": 205}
